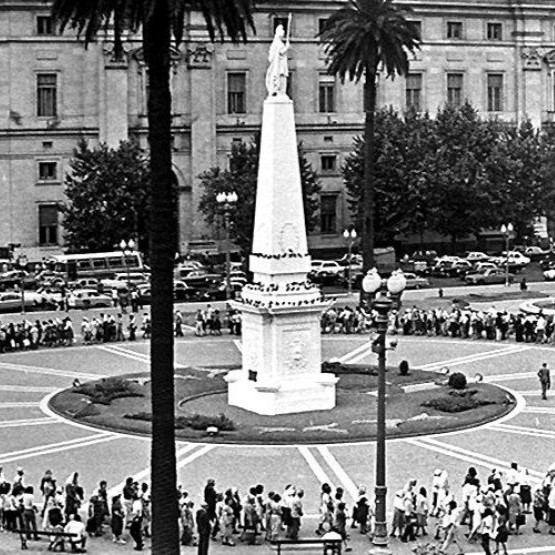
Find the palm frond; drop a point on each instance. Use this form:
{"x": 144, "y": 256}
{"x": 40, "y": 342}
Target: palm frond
{"x": 223, "y": 18}
{"x": 366, "y": 35}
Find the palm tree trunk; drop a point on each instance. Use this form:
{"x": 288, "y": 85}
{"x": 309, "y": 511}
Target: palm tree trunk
{"x": 368, "y": 186}
{"x": 156, "y": 41}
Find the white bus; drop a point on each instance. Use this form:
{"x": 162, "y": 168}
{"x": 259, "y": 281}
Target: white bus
{"x": 97, "y": 264}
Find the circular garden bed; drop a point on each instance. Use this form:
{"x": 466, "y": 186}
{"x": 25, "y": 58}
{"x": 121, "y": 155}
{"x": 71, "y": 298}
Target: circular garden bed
{"x": 418, "y": 403}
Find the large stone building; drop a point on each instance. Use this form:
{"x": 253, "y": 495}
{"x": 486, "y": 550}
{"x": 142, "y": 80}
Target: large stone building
{"x": 498, "y": 54}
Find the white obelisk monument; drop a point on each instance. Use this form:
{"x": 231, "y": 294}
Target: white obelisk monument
{"x": 281, "y": 310}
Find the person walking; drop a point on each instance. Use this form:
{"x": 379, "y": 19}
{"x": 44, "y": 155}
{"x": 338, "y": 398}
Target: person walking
{"x": 487, "y": 530}
{"x": 118, "y": 516}
{"x": 204, "y": 529}
{"x": 136, "y": 528}
{"x": 545, "y": 379}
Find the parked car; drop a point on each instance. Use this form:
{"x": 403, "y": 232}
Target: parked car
{"x": 84, "y": 283}
{"x": 186, "y": 268}
{"x": 516, "y": 260}
{"x": 549, "y": 274}
{"x": 120, "y": 280}
{"x": 482, "y": 266}
{"x": 45, "y": 297}
{"x": 452, "y": 267}
{"x": 11, "y": 301}
{"x": 12, "y": 279}
{"x": 328, "y": 272}
{"x": 476, "y": 256}
{"x": 535, "y": 252}
{"x": 219, "y": 291}
{"x": 201, "y": 279}
{"x": 88, "y": 298}
{"x": 238, "y": 277}
{"x": 488, "y": 276}
{"x": 416, "y": 282}
{"x": 184, "y": 292}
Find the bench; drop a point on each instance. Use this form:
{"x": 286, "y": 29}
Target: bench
{"x": 23, "y": 535}
{"x": 329, "y": 547}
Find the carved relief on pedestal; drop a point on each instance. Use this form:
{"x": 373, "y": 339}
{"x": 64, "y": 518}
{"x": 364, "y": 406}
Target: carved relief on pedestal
{"x": 295, "y": 345}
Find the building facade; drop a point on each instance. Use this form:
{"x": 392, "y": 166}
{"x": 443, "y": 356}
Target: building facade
{"x": 497, "y": 54}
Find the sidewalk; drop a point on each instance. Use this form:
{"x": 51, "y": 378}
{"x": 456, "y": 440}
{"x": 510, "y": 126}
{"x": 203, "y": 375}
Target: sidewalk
{"x": 526, "y": 544}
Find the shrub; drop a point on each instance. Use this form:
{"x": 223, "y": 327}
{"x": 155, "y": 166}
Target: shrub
{"x": 195, "y": 421}
{"x": 404, "y": 368}
{"x": 457, "y": 381}
{"x": 103, "y": 392}
{"x": 454, "y": 404}
{"x": 463, "y": 393}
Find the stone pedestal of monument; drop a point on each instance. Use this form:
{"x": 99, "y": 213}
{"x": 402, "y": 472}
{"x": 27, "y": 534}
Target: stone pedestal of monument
{"x": 281, "y": 310}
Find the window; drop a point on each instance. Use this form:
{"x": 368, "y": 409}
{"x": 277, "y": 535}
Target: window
{"x": 322, "y": 23}
{"x": 454, "y": 89}
{"x": 495, "y": 31}
{"x": 328, "y": 162}
{"x": 416, "y": 27}
{"x": 45, "y": 25}
{"x": 328, "y": 214}
{"x": 48, "y": 171}
{"x": 236, "y": 93}
{"x": 414, "y": 91}
{"x": 284, "y": 21}
{"x": 495, "y": 92}
{"x": 454, "y": 30}
{"x": 47, "y": 95}
{"x": 326, "y": 94}
{"x": 48, "y": 224}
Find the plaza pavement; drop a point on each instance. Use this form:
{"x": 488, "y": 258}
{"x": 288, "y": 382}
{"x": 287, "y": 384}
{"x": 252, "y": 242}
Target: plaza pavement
{"x": 33, "y": 437}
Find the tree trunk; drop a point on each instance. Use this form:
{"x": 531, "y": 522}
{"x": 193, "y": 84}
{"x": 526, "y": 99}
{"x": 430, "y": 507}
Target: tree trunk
{"x": 156, "y": 42}
{"x": 367, "y": 189}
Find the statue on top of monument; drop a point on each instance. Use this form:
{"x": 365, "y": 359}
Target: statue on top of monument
{"x": 276, "y": 76}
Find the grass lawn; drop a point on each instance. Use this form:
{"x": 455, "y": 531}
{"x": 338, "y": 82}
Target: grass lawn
{"x": 201, "y": 395}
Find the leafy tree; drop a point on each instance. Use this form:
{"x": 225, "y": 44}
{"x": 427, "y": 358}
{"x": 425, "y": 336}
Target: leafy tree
{"x": 455, "y": 174}
{"x": 107, "y": 192}
{"x": 158, "y": 20}
{"x": 242, "y": 178}
{"x": 360, "y": 39}
{"x": 399, "y": 174}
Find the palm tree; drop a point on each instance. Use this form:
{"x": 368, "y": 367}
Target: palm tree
{"x": 159, "y": 19}
{"x": 361, "y": 39}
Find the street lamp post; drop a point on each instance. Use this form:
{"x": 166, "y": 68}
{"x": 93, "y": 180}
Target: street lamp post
{"x": 507, "y": 231}
{"x": 21, "y": 261}
{"x": 387, "y": 294}
{"x": 127, "y": 247}
{"x": 226, "y": 202}
{"x": 350, "y": 236}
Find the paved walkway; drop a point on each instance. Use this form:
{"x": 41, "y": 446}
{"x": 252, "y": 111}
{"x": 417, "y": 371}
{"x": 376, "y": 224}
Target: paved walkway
{"x": 517, "y": 545}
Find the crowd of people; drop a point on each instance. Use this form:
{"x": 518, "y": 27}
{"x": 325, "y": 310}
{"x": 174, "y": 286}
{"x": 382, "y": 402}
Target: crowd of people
{"x": 57, "y": 332}
{"x": 485, "y": 511}
{"x": 464, "y": 323}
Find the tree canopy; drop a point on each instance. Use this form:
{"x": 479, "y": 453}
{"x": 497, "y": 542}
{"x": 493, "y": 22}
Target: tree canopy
{"x": 241, "y": 177}
{"x": 454, "y": 174}
{"x": 107, "y": 197}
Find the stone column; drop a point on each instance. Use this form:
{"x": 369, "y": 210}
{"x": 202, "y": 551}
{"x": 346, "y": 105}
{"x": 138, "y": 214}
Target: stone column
{"x": 114, "y": 106}
{"x": 203, "y": 124}
{"x": 533, "y": 89}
